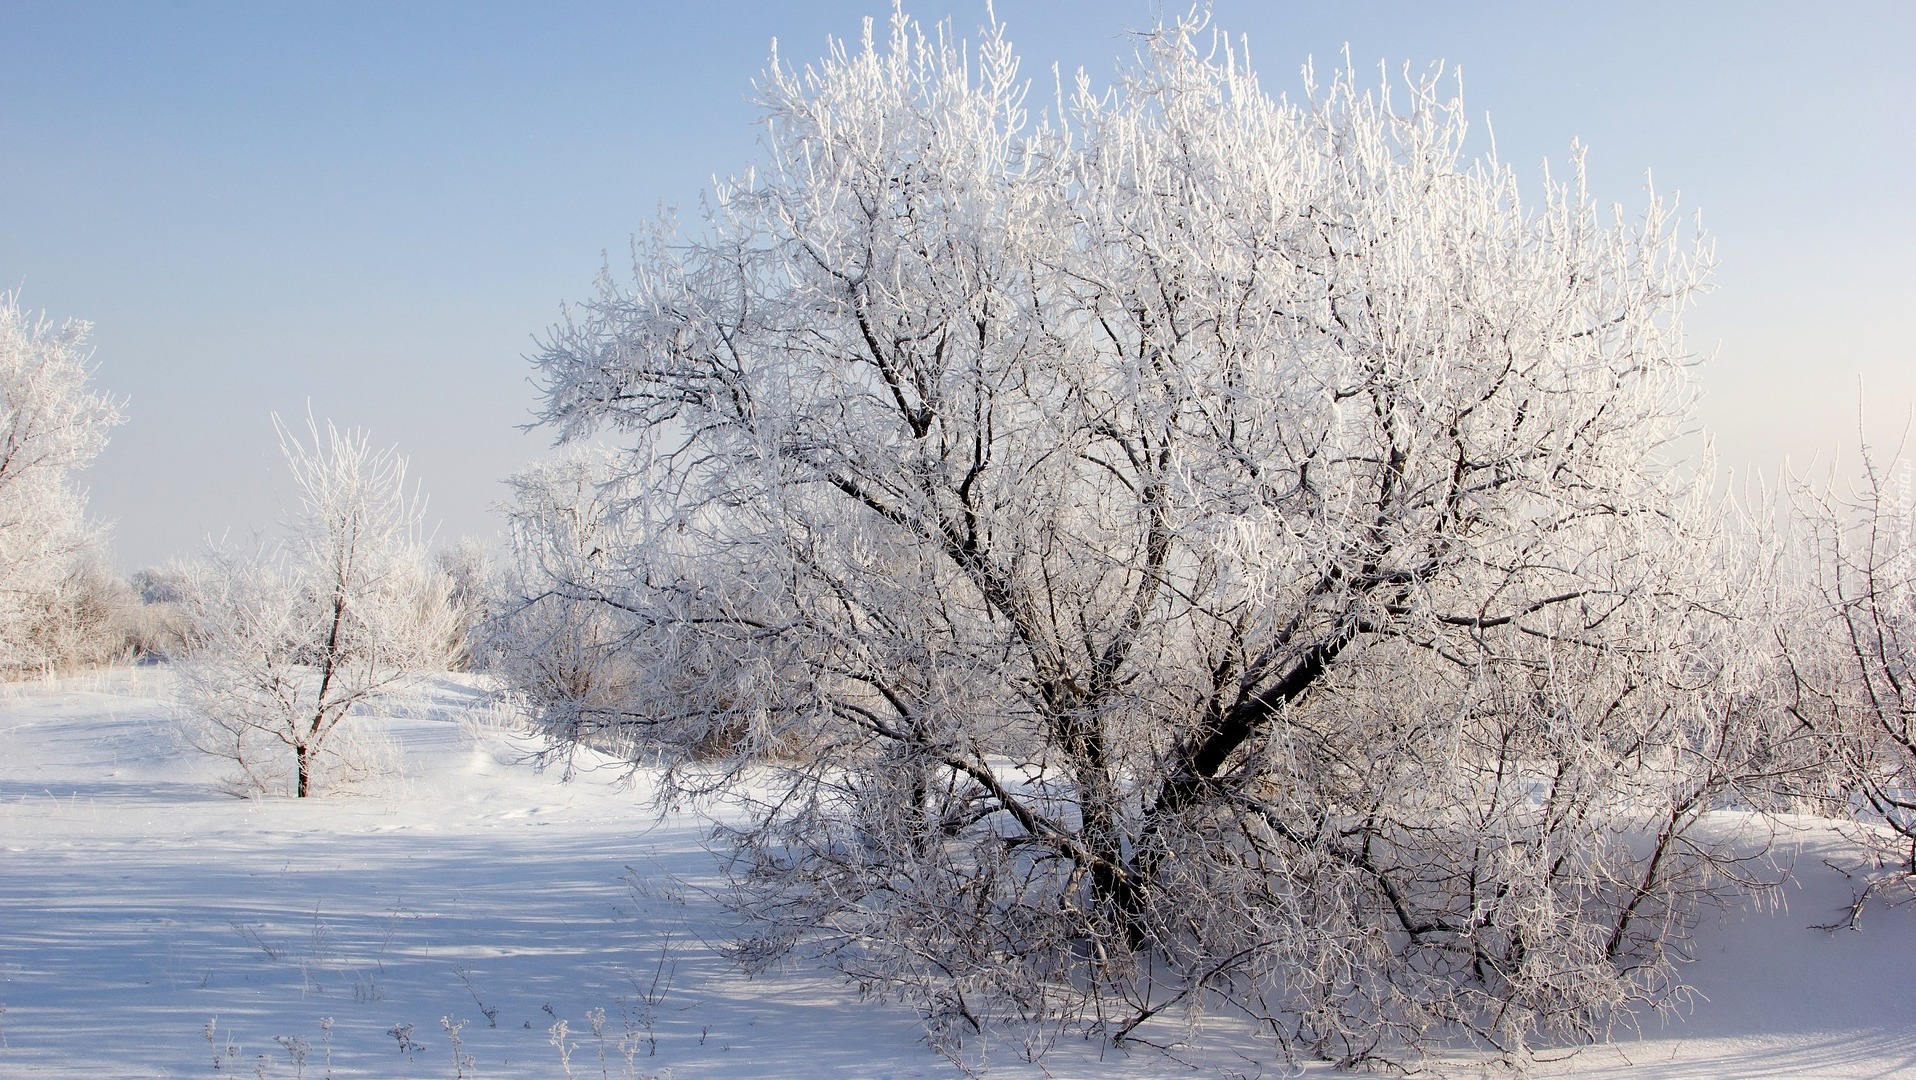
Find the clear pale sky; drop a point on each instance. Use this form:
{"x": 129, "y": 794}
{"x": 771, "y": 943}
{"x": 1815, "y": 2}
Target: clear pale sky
{"x": 377, "y": 207}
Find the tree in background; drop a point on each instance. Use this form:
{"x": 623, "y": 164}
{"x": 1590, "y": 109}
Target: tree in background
{"x": 52, "y": 424}
{"x": 1184, "y": 550}
{"x": 286, "y": 644}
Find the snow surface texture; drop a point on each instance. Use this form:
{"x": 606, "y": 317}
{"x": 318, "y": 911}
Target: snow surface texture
{"x": 152, "y": 926}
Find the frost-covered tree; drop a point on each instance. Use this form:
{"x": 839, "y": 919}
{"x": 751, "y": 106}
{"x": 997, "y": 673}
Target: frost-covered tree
{"x": 286, "y": 644}
{"x": 52, "y": 424}
{"x": 1183, "y": 549}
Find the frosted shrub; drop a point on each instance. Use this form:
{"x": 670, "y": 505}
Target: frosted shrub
{"x": 1851, "y": 646}
{"x": 469, "y": 575}
{"x": 559, "y": 636}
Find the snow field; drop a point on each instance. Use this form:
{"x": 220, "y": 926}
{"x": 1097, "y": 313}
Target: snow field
{"x": 444, "y": 924}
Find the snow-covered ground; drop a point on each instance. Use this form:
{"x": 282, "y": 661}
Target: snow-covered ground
{"x": 152, "y": 926}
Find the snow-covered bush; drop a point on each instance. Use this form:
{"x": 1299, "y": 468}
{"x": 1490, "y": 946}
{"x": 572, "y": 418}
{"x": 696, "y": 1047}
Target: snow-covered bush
{"x": 554, "y": 637}
{"x": 1851, "y": 647}
{"x": 92, "y": 619}
{"x": 1191, "y": 550}
{"x": 52, "y": 424}
{"x": 159, "y": 625}
{"x": 467, "y": 568}
{"x": 286, "y": 643}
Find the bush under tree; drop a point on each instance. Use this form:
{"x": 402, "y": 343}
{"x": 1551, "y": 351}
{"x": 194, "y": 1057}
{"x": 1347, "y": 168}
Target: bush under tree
{"x": 558, "y": 633}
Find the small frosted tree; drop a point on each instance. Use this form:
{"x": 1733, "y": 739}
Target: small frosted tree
{"x": 52, "y": 424}
{"x": 287, "y": 643}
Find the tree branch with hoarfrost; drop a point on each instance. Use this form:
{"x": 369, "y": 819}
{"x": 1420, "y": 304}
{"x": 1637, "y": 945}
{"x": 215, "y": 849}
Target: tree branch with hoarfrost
{"x": 286, "y": 644}
{"x": 1182, "y": 550}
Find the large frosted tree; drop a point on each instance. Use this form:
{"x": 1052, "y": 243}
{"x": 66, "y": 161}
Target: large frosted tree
{"x": 1183, "y": 549}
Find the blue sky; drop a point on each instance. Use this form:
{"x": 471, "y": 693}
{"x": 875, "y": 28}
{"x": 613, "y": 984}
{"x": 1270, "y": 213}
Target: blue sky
{"x": 376, "y": 207}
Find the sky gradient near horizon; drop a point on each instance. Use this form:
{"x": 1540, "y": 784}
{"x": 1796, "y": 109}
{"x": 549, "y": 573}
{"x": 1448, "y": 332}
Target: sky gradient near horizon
{"x": 373, "y": 210}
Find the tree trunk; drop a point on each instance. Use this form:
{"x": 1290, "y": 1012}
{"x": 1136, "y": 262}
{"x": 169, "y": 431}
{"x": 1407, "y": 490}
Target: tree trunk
{"x": 1116, "y": 887}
